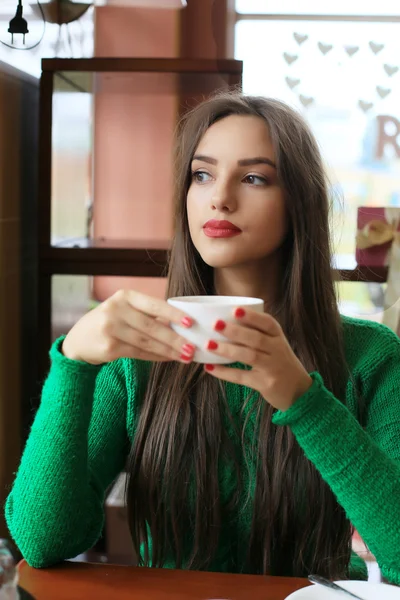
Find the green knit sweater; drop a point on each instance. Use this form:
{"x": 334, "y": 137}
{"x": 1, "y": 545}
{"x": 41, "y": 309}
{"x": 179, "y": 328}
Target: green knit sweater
{"x": 85, "y": 424}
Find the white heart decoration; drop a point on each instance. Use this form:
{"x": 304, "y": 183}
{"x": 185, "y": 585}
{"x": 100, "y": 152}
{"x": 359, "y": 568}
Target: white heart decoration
{"x": 306, "y": 100}
{"x": 390, "y": 69}
{"x": 376, "y": 47}
{"x": 300, "y": 38}
{"x": 351, "y": 50}
{"x": 290, "y": 58}
{"x": 325, "y": 48}
{"x": 292, "y": 82}
{"x": 365, "y": 106}
{"x": 383, "y": 92}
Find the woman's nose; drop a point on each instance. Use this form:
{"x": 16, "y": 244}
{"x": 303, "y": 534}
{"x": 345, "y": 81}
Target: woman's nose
{"x": 223, "y": 199}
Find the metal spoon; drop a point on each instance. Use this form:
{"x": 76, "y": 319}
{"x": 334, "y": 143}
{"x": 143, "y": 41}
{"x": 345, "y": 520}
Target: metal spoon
{"x": 333, "y": 586}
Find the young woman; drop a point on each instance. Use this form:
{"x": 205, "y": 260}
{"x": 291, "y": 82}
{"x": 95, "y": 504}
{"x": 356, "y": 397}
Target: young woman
{"x": 262, "y": 466}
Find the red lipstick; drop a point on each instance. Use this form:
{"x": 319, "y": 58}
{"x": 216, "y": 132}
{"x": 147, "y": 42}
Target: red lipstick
{"x": 220, "y": 229}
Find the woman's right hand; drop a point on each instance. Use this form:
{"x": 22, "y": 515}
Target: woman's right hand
{"x": 129, "y": 324}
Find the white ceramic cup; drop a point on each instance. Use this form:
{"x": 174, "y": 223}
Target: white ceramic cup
{"x": 206, "y": 310}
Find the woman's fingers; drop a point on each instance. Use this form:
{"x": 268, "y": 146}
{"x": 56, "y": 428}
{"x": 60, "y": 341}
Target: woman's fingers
{"x": 163, "y": 321}
{"x": 128, "y": 351}
{"x": 263, "y": 322}
{"x": 127, "y": 324}
{"x": 148, "y": 327}
{"x": 234, "y": 352}
{"x": 246, "y": 336}
{"x": 155, "y": 307}
{"x": 150, "y": 345}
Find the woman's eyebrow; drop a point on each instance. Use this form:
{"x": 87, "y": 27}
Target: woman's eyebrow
{"x": 244, "y": 162}
{"x": 258, "y": 160}
{"x": 207, "y": 159}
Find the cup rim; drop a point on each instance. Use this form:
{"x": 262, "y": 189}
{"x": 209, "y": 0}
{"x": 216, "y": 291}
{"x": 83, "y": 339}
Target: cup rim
{"x": 206, "y": 300}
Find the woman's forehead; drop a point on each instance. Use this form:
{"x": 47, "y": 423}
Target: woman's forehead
{"x": 237, "y": 136}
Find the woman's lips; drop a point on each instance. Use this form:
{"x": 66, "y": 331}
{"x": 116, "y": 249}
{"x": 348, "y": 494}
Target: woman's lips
{"x": 220, "y": 228}
{"x": 220, "y": 233}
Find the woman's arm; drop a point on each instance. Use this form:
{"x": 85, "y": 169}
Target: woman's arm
{"x": 362, "y": 467}
{"x": 76, "y": 448}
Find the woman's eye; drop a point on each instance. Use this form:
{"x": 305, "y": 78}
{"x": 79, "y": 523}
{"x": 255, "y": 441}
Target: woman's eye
{"x": 200, "y": 176}
{"x": 255, "y": 180}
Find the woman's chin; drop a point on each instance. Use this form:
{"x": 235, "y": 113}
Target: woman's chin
{"x": 222, "y": 261}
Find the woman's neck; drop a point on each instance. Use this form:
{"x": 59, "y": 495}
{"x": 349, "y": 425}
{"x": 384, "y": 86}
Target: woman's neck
{"x": 253, "y": 281}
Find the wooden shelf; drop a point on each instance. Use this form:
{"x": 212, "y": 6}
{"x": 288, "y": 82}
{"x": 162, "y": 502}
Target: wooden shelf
{"x": 82, "y": 256}
{"x": 141, "y": 65}
{"x": 110, "y": 243}
{"x": 364, "y": 274}
{"x": 140, "y": 76}
{"x": 104, "y": 261}
{"x": 148, "y": 258}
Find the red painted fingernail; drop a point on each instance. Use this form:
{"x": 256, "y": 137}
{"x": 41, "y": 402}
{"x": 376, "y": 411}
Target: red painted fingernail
{"x": 186, "y": 322}
{"x": 211, "y": 345}
{"x": 188, "y": 349}
{"x": 220, "y": 325}
{"x": 239, "y": 312}
{"x": 209, "y": 367}
{"x": 185, "y": 358}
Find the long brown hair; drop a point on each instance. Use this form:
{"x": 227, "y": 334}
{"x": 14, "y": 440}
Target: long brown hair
{"x": 181, "y": 436}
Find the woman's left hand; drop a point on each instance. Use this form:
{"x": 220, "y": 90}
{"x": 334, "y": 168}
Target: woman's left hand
{"x": 257, "y": 339}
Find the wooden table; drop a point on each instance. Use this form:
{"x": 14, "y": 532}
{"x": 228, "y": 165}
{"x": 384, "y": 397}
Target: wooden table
{"x": 89, "y": 581}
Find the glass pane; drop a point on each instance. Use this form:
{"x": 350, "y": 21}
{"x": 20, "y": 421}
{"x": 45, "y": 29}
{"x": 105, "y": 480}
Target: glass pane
{"x": 71, "y": 299}
{"x": 112, "y": 153}
{"x": 74, "y": 295}
{"x": 339, "y": 7}
{"x": 348, "y": 90}
{"x": 363, "y": 300}
{"x": 71, "y": 157}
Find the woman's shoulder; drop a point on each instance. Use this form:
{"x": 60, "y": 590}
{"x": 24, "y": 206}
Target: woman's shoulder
{"x": 373, "y": 354}
{"x": 369, "y": 344}
{"x": 369, "y": 332}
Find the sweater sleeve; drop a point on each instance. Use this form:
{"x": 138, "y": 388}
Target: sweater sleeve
{"x": 76, "y": 447}
{"x": 361, "y": 466}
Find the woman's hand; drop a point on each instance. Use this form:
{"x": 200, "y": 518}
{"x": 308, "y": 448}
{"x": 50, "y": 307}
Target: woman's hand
{"x": 257, "y": 339}
{"x": 129, "y": 324}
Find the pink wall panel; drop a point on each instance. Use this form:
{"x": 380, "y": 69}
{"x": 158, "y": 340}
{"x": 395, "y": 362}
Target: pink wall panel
{"x": 132, "y": 137}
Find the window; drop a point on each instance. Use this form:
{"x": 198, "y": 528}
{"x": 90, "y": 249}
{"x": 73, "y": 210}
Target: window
{"x": 316, "y": 7}
{"x": 340, "y": 67}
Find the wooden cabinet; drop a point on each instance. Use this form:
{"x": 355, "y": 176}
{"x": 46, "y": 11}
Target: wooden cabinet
{"x": 106, "y": 131}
